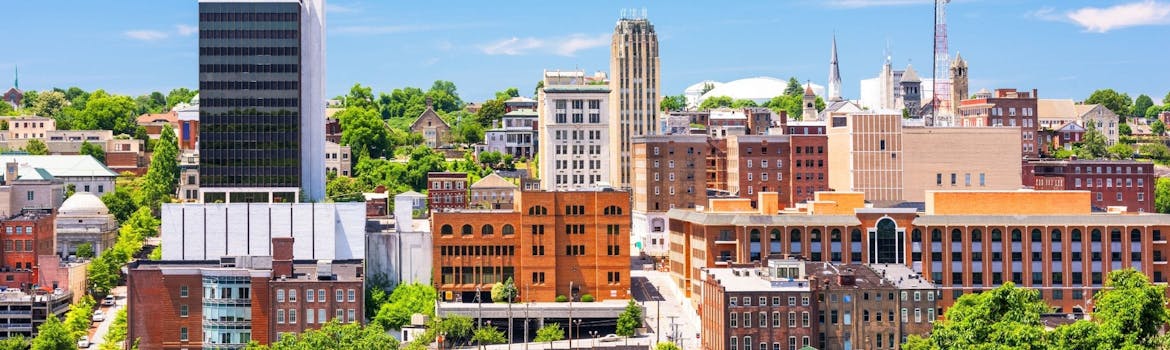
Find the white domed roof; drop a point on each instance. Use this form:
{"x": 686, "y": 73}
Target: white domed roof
{"x": 83, "y": 203}
{"x": 697, "y": 88}
{"x": 758, "y": 89}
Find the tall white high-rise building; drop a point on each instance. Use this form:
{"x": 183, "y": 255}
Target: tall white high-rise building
{"x": 262, "y": 100}
{"x": 634, "y": 85}
{"x": 575, "y": 139}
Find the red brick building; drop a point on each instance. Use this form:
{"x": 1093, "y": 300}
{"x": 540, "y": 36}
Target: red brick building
{"x": 1008, "y": 108}
{"x": 333, "y": 130}
{"x": 447, "y": 190}
{"x": 774, "y": 307}
{"x": 1112, "y": 182}
{"x": 229, "y": 302}
{"x": 810, "y": 157}
{"x": 26, "y": 236}
{"x": 758, "y": 163}
{"x": 550, "y": 243}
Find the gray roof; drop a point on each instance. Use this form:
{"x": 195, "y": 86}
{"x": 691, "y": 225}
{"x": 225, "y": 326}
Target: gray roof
{"x": 1042, "y": 220}
{"x": 750, "y": 280}
{"x": 909, "y": 76}
{"x": 62, "y": 165}
{"x": 754, "y": 219}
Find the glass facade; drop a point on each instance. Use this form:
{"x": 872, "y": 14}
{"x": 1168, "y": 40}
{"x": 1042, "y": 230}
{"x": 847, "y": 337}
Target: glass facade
{"x": 227, "y": 312}
{"x": 250, "y": 88}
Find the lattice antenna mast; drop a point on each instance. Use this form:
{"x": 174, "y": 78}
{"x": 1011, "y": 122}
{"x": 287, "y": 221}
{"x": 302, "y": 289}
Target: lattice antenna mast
{"x": 942, "y": 59}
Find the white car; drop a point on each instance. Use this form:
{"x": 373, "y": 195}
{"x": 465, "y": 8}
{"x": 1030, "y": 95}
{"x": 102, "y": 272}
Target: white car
{"x": 109, "y": 300}
{"x": 610, "y": 338}
{"x": 83, "y": 343}
{"x": 99, "y": 316}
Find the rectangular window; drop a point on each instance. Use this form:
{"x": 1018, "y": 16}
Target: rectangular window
{"x": 183, "y": 291}
{"x": 321, "y": 316}
{"x": 339, "y": 316}
{"x": 292, "y": 295}
{"x": 183, "y": 334}
{"x": 351, "y": 315}
{"x": 280, "y": 295}
{"x": 321, "y": 296}
{"x": 350, "y": 296}
{"x": 183, "y": 310}
{"x": 280, "y": 316}
{"x": 734, "y": 318}
{"x": 340, "y": 295}
{"x": 309, "y": 316}
{"x": 292, "y": 316}
{"x": 310, "y": 296}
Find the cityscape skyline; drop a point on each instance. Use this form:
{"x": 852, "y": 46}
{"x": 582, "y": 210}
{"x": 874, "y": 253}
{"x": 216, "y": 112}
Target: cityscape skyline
{"x": 158, "y": 52}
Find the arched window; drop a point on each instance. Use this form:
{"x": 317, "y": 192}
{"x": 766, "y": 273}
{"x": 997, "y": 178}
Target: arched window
{"x": 612, "y": 210}
{"x": 976, "y": 236}
{"x": 446, "y": 230}
{"x": 1056, "y": 236}
{"x": 887, "y": 243}
{"x": 996, "y": 235}
{"x": 1076, "y": 235}
{"x": 487, "y": 230}
{"x": 466, "y": 229}
{"x": 1036, "y": 235}
{"x": 796, "y": 241}
{"x": 755, "y": 244}
{"x": 537, "y": 211}
{"x": 775, "y": 242}
{"x": 508, "y": 229}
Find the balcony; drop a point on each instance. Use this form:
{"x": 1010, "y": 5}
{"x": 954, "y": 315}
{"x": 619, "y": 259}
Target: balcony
{"x": 725, "y": 239}
{"x": 227, "y": 323}
{"x": 226, "y": 302}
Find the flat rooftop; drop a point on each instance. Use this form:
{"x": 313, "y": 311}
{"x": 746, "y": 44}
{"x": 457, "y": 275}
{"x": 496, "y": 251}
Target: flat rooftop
{"x": 303, "y": 270}
{"x": 902, "y": 277}
{"x": 754, "y": 280}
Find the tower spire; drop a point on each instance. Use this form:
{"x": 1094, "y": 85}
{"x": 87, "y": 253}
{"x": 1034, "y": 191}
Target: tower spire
{"x": 834, "y": 74}
{"x": 16, "y": 80}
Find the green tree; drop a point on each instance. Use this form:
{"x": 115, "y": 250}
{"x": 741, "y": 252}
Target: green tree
{"x": 334, "y": 335}
{"x": 549, "y": 333}
{"x": 345, "y": 189}
{"x": 1158, "y": 127}
{"x": 1117, "y": 102}
{"x": 1162, "y": 195}
{"x": 49, "y": 104}
{"x": 1120, "y": 151}
{"x": 504, "y": 291}
{"x": 1004, "y": 317}
{"x": 629, "y": 320}
{"x": 120, "y": 203}
{"x": 108, "y": 112}
{"x": 1156, "y": 151}
{"x": 404, "y": 301}
{"x": 666, "y": 346}
{"x": 1154, "y": 110}
{"x": 540, "y": 86}
{"x": 54, "y": 335}
{"x": 794, "y": 87}
{"x": 360, "y": 97}
{"x": 466, "y": 128}
{"x": 714, "y": 102}
{"x": 364, "y": 132}
{"x": 507, "y": 93}
{"x": 179, "y": 95}
{"x": 488, "y": 336}
{"x": 456, "y": 330}
{"x": 1130, "y": 310}
{"x": 29, "y": 99}
{"x": 490, "y": 112}
{"x": 94, "y": 151}
{"x": 16, "y": 342}
{"x": 117, "y": 333}
{"x": 1092, "y": 145}
{"x": 1166, "y": 100}
{"x": 36, "y": 147}
{"x": 79, "y": 316}
{"x": 162, "y": 177}
{"x": 155, "y": 254}
{"x": 1124, "y": 129}
{"x": 741, "y": 103}
{"x": 448, "y": 88}
{"x": 85, "y": 250}
{"x": 673, "y": 103}
{"x": 6, "y": 110}
{"x": 1140, "y": 105}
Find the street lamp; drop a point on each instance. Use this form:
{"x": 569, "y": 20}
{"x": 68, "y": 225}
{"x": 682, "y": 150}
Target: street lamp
{"x": 594, "y": 334}
{"x": 578, "y": 321}
{"x": 479, "y": 314}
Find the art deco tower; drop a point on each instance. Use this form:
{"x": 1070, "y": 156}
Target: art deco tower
{"x": 634, "y": 91}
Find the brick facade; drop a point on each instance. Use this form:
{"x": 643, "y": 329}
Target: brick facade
{"x": 447, "y": 190}
{"x": 1008, "y": 108}
{"x": 1112, "y": 183}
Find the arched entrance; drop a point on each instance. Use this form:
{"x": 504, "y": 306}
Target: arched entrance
{"x": 886, "y": 243}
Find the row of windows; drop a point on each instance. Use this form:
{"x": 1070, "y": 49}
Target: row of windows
{"x": 248, "y": 17}
{"x": 249, "y": 68}
{"x": 339, "y": 316}
{"x": 476, "y": 250}
{"x": 339, "y": 295}
{"x": 777, "y": 320}
{"x": 475, "y": 274}
{"x": 248, "y": 85}
{"x": 486, "y": 230}
{"x": 247, "y": 34}
{"x": 249, "y": 102}
{"x": 733, "y": 343}
{"x": 249, "y": 51}
{"x": 1109, "y": 182}
{"x": 19, "y": 246}
{"x": 747, "y": 301}
{"x": 20, "y": 229}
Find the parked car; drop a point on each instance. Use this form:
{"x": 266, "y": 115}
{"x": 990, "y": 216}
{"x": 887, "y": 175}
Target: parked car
{"x": 83, "y": 343}
{"x": 99, "y": 316}
{"x": 109, "y": 300}
{"x": 610, "y": 338}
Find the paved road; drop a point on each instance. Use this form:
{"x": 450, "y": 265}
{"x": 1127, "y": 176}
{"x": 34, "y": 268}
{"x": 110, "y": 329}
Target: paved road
{"x": 98, "y": 334}
{"x": 664, "y": 303}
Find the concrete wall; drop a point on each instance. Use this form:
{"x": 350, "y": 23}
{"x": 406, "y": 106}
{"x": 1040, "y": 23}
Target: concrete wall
{"x": 402, "y": 257}
{"x": 964, "y": 152}
{"x": 323, "y": 231}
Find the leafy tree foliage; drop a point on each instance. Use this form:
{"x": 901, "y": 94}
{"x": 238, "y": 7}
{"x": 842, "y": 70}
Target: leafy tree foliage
{"x": 1120, "y": 151}
{"x": 29, "y": 99}
{"x": 334, "y": 335}
{"x": 85, "y": 250}
{"x": 117, "y": 333}
{"x": 540, "y": 85}
{"x": 741, "y": 103}
{"x": 49, "y": 104}
{"x": 714, "y": 102}
{"x": 1092, "y": 145}
{"x": 107, "y": 112}
{"x": 401, "y": 177}
{"x": 6, "y": 110}
{"x": 1140, "y": 105}
{"x": 1166, "y": 100}
{"x": 490, "y": 112}
{"x": 1124, "y": 129}
{"x": 673, "y": 103}
{"x": 345, "y": 189}
{"x": 365, "y": 133}
{"x": 54, "y": 335}
{"x": 1117, "y": 102}
{"x": 1130, "y": 310}
{"x": 667, "y": 346}
{"x": 506, "y": 93}
{"x": 180, "y": 95}
{"x": 1158, "y": 127}
{"x": 17, "y": 342}
{"x": 93, "y": 150}
{"x": 456, "y": 330}
{"x": 360, "y": 97}
{"x": 629, "y": 320}
{"x": 549, "y": 333}
{"x": 79, "y": 316}
{"x": 1008, "y": 317}
{"x": 465, "y": 127}
{"x": 504, "y": 291}
{"x": 120, "y": 203}
{"x": 794, "y": 88}
{"x": 163, "y": 175}
{"x": 105, "y": 271}
{"x": 36, "y": 147}
{"x": 1162, "y": 195}
{"x": 488, "y": 336}
{"x": 404, "y": 301}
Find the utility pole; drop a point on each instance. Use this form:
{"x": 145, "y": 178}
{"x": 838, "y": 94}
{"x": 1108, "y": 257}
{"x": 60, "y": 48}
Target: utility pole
{"x": 570, "y": 314}
{"x": 527, "y": 305}
{"x": 511, "y": 293}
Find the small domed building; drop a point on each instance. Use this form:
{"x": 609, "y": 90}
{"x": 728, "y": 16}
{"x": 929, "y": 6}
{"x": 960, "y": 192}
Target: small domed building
{"x": 83, "y": 218}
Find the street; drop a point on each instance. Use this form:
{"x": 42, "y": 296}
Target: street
{"x": 655, "y": 291}
{"x": 97, "y": 334}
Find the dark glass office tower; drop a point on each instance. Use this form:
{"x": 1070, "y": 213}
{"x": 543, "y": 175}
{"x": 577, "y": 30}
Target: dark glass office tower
{"x": 258, "y": 115}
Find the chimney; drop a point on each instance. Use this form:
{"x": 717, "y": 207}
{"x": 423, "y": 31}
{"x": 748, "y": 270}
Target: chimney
{"x": 11, "y": 173}
{"x": 846, "y": 278}
{"x": 282, "y": 257}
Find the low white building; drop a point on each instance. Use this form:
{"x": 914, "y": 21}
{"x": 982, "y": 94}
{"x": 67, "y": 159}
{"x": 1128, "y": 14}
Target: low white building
{"x": 205, "y": 231}
{"x": 85, "y": 173}
{"x": 83, "y": 218}
{"x": 400, "y": 249}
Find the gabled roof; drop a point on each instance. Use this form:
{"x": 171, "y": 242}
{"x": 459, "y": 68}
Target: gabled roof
{"x": 1071, "y": 127}
{"x": 429, "y": 113}
{"x": 1084, "y": 110}
{"x": 909, "y": 76}
{"x": 492, "y": 181}
{"x": 1055, "y": 109}
{"x": 61, "y": 165}
{"x": 168, "y": 117}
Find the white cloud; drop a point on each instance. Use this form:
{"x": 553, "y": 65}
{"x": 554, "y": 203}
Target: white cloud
{"x": 1101, "y": 20}
{"x": 146, "y": 35}
{"x": 563, "y": 46}
{"x": 873, "y": 3}
{"x": 336, "y": 8}
{"x": 1045, "y": 13}
{"x": 186, "y": 30}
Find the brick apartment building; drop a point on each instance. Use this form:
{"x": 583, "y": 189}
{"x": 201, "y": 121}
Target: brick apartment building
{"x": 963, "y": 242}
{"x": 26, "y": 236}
{"x": 229, "y": 302}
{"x": 758, "y": 163}
{"x": 774, "y": 307}
{"x": 810, "y": 156}
{"x": 669, "y": 172}
{"x": 550, "y": 243}
{"x": 447, "y": 190}
{"x": 1112, "y": 182}
{"x": 1005, "y": 107}
{"x": 871, "y": 306}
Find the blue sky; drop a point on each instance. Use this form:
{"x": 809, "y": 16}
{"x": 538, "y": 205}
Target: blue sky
{"x": 1066, "y": 49}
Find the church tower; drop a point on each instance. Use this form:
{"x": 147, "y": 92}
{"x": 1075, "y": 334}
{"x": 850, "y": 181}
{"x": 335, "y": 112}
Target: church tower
{"x": 809, "y": 101}
{"x": 834, "y": 74}
{"x": 959, "y": 87}
{"x": 912, "y": 93}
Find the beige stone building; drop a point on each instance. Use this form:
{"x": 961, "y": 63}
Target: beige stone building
{"x": 493, "y": 192}
{"x": 83, "y": 218}
{"x": 634, "y": 91}
{"x": 1054, "y": 113}
{"x": 865, "y": 153}
{"x": 29, "y": 127}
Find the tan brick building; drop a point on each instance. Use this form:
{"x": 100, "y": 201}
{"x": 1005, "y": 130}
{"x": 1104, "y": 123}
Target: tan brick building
{"x": 669, "y": 172}
{"x": 550, "y": 243}
{"x": 758, "y": 163}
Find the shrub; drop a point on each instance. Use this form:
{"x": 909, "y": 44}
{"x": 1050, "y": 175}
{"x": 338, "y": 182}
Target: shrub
{"x": 587, "y": 298}
{"x": 562, "y": 298}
